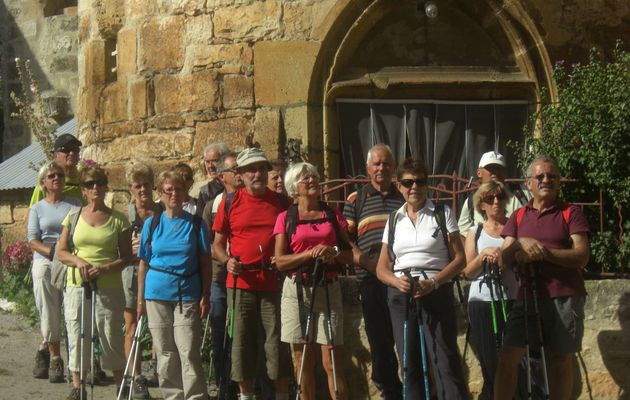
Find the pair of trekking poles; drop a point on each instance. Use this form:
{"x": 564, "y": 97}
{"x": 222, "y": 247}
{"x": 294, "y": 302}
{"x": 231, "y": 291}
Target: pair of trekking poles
{"x": 88, "y": 293}
{"x": 409, "y": 303}
{"x": 319, "y": 278}
{"x": 133, "y": 355}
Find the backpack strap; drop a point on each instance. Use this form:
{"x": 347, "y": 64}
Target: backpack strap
{"x": 477, "y": 235}
{"x": 157, "y": 216}
{"x": 471, "y": 209}
{"x": 517, "y": 191}
{"x": 440, "y": 216}
{"x": 290, "y": 224}
{"x": 391, "y": 230}
{"x": 360, "y": 202}
{"x": 519, "y": 215}
{"x": 566, "y": 213}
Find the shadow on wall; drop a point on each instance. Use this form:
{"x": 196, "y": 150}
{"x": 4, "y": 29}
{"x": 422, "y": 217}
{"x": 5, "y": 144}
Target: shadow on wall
{"x": 15, "y": 36}
{"x": 614, "y": 347}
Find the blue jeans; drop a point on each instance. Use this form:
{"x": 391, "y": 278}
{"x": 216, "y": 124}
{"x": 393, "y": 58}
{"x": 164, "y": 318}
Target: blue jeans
{"x": 218, "y": 311}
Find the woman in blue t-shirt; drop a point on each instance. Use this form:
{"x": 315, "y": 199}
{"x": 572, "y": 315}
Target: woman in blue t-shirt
{"x": 173, "y": 289}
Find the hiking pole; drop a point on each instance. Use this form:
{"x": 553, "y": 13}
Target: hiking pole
{"x": 227, "y": 357}
{"x": 81, "y": 344}
{"x": 423, "y": 345}
{"x": 496, "y": 274}
{"x": 493, "y": 308}
{"x": 406, "y": 341}
{"x": 331, "y": 341}
{"x": 307, "y": 330}
{"x": 527, "y": 354}
{"x": 205, "y": 331}
{"x": 135, "y": 359}
{"x": 93, "y": 335}
{"x": 134, "y": 343}
{"x": 532, "y": 275}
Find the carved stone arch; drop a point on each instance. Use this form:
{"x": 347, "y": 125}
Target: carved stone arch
{"x": 349, "y": 22}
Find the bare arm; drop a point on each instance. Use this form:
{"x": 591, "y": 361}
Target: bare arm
{"x": 474, "y": 261}
{"x": 142, "y": 275}
{"x": 219, "y": 248}
{"x": 385, "y": 272}
{"x": 41, "y": 248}
{"x": 456, "y": 250}
{"x": 575, "y": 257}
{"x": 285, "y": 260}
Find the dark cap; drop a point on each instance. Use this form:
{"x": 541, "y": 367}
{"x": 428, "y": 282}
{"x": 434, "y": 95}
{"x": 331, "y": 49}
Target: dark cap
{"x": 67, "y": 140}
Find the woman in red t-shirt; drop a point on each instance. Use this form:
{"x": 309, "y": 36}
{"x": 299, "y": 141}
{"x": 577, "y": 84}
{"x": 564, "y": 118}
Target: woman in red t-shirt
{"x": 318, "y": 233}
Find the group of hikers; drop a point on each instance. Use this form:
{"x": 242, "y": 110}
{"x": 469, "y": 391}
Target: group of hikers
{"x": 260, "y": 257}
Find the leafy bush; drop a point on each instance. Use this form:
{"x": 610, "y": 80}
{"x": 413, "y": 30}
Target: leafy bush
{"x": 17, "y": 284}
{"x": 588, "y": 133}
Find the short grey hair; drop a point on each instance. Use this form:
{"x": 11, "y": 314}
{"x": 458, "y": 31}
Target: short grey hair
{"x": 541, "y": 159}
{"x": 43, "y": 171}
{"x": 381, "y": 146}
{"x": 293, "y": 174}
{"x": 219, "y": 146}
{"x": 221, "y": 164}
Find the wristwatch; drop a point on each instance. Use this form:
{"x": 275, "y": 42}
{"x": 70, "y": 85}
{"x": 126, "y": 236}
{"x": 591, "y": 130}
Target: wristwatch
{"x": 436, "y": 284}
{"x": 337, "y": 251}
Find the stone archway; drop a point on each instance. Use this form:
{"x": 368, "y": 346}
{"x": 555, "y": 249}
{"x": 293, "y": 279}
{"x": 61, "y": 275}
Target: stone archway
{"x": 516, "y": 65}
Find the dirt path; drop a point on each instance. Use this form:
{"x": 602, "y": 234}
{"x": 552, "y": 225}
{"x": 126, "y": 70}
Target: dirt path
{"x": 18, "y": 343}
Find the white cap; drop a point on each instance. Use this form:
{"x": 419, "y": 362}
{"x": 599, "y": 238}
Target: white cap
{"x": 491, "y": 157}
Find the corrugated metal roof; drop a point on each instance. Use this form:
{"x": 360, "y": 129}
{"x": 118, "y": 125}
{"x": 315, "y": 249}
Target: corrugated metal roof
{"x": 16, "y": 172}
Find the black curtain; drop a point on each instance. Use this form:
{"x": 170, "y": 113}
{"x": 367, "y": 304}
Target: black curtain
{"x": 450, "y": 137}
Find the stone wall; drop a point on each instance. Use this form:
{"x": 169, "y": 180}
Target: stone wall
{"x": 605, "y": 348}
{"x": 13, "y": 210}
{"x": 46, "y": 33}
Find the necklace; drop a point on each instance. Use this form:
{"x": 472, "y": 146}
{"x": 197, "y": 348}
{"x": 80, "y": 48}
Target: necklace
{"x": 175, "y": 226}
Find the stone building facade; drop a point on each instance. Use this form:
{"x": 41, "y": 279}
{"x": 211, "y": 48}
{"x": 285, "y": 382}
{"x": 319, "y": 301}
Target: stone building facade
{"x": 45, "y": 32}
{"x": 160, "y": 79}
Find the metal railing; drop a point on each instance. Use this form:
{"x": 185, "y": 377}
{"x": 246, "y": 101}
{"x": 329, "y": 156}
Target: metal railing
{"x": 454, "y": 189}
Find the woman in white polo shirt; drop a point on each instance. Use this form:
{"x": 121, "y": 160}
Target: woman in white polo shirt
{"x": 419, "y": 249}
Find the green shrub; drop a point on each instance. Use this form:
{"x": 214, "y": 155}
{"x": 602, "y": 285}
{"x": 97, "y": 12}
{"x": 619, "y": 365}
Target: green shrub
{"x": 588, "y": 133}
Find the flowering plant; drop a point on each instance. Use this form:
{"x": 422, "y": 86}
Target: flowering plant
{"x": 84, "y": 163}
{"x": 17, "y": 256}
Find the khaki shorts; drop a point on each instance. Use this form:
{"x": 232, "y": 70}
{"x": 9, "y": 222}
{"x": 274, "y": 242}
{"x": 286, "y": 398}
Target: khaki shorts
{"x": 562, "y": 324}
{"x": 292, "y": 330}
{"x": 47, "y": 299}
{"x": 129, "y": 276}
{"x": 109, "y": 322}
{"x": 256, "y": 310}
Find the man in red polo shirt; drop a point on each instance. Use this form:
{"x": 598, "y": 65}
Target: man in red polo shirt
{"x": 248, "y": 225}
{"x": 550, "y": 237}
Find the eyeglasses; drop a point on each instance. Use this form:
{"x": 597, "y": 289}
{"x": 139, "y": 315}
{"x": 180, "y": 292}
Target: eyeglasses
{"x": 170, "y": 191}
{"x": 307, "y": 178}
{"x": 54, "y": 175}
{"x": 97, "y": 182}
{"x": 489, "y": 199}
{"x": 550, "y": 177}
{"x": 70, "y": 149}
{"x": 408, "y": 183}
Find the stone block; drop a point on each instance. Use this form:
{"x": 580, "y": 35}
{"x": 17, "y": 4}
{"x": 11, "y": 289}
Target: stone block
{"x": 110, "y": 132}
{"x": 109, "y": 17}
{"x": 232, "y": 131}
{"x": 167, "y": 121}
{"x": 139, "y": 9}
{"x": 238, "y": 91}
{"x": 258, "y": 20}
{"x": 221, "y": 56}
{"x": 296, "y": 123}
{"x": 151, "y": 144}
{"x": 127, "y": 52}
{"x": 94, "y": 63}
{"x": 84, "y": 27}
{"x": 114, "y": 103}
{"x": 188, "y": 7}
{"x": 267, "y": 131}
{"x": 190, "y": 92}
{"x": 140, "y": 98}
{"x": 64, "y": 63}
{"x": 199, "y": 29}
{"x": 6, "y": 214}
{"x": 297, "y": 20}
{"x": 88, "y": 104}
{"x": 19, "y": 212}
{"x": 161, "y": 44}
{"x": 287, "y": 82}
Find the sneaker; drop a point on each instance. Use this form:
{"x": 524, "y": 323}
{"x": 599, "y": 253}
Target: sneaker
{"x": 75, "y": 394}
{"x": 55, "y": 371}
{"x": 42, "y": 362}
{"x": 140, "y": 391}
{"x": 152, "y": 380}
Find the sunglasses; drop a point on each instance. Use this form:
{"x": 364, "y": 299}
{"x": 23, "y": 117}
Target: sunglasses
{"x": 97, "y": 182}
{"x": 66, "y": 150}
{"x": 550, "y": 177}
{"x": 489, "y": 199}
{"x": 54, "y": 175}
{"x": 408, "y": 183}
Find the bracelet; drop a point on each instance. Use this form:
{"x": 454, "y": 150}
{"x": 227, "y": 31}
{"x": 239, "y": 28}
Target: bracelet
{"x": 51, "y": 256}
{"x": 436, "y": 284}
